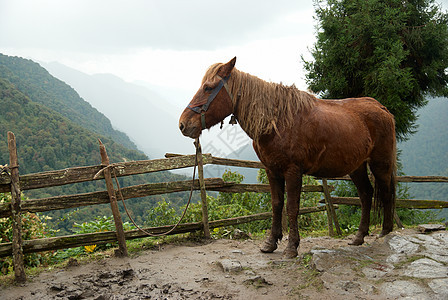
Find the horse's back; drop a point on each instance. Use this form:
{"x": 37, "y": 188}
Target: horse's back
{"x": 349, "y": 130}
{"x": 375, "y": 116}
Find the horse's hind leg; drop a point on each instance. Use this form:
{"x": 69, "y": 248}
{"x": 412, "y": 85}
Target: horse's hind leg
{"x": 277, "y": 184}
{"x": 365, "y": 192}
{"x": 384, "y": 173}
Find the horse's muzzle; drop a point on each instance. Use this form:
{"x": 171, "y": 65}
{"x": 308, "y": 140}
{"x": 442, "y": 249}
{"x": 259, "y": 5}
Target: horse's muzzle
{"x": 189, "y": 131}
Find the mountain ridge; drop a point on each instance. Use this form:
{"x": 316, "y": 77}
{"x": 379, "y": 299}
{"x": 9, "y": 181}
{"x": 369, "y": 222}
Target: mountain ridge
{"x": 148, "y": 118}
{"x": 37, "y": 83}
{"x": 47, "y": 139}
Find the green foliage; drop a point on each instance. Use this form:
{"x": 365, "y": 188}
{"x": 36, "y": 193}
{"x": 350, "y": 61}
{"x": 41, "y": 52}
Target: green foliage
{"x": 35, "y": 82}
{"x": 418, "y": 216}
{"x": 394, "y": 51}
{"x": 315, "y": 221}
{"x": 350, "y": 216}
{"x": 230, "y": 205}
{"x": 32, "y": 228}
{"x": 56, "y": 129}
{"x": 161, "y": 214}
{"x": 99, "y": 224}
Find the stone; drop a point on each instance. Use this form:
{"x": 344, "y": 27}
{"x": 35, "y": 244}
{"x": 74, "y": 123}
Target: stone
{"x": 442, "y": 236}
{"x": 257, "y": 281}
{"x": 377, "y": 271}
{"x": 402, "y": 289}
{"x": 440, "y": 287}
{"x": 230, "y": 266}
{"x": 395, "y": 258}
{"x": 350, "y": 286}
{"x": 240, "y": 235}
{"x": 430, "y": 227}
{"x": 400, "y": 244}
{"x": 58, "y": 287}
{"x": 426, "y": 268}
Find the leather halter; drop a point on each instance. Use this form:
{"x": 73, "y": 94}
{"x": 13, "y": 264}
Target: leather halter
{"x": 201, "y": 109}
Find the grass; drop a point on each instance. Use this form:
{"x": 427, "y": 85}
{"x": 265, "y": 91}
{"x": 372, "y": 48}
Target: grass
{"x": 311, "y": 277}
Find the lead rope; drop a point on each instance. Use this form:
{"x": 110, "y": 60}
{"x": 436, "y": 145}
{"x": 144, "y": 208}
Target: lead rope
{"x": 183, "y": 214}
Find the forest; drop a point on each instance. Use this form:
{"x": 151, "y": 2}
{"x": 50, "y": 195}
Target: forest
{"x": 56, "y": 129}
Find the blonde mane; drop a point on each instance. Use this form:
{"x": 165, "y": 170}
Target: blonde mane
{"x": 262, "y": 106}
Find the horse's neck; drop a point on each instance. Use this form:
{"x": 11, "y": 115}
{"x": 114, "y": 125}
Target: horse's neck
{"x": 264, "y": 107}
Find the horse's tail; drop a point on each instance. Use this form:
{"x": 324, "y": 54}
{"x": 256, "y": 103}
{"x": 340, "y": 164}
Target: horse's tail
{"x": 387, "y": 191}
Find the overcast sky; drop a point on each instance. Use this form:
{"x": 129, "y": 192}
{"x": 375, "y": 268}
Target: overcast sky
{"x": 164, "y": 42}
{"x": 167, "y": 43}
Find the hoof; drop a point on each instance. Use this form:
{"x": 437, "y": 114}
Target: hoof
{"x": 357, "y": 240}
{"x": 384, "y": 233}
{"x": 268, "y": 247}
{"x": 290, "y": 253}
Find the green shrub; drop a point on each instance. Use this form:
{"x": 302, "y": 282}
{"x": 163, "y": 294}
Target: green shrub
{"x": 162, "y": 214}
{"x": 230, "y": 205}
{"x": 33, "y": 227}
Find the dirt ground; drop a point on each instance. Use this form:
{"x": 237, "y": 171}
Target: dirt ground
{"x": 218, "y": 269}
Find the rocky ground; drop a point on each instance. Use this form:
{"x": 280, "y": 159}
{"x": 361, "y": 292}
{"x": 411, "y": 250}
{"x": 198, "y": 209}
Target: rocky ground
{"x": 406, "y": 264}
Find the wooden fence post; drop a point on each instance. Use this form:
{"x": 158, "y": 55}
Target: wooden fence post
{"x": 331, "y": 213}
{"x": 203, "y": 191}
{"x": 16, "y": 211}
{"x": 122, "y": 249}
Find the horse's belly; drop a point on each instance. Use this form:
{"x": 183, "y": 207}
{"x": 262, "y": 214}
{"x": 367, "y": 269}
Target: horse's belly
{"x": 340, "y": 160}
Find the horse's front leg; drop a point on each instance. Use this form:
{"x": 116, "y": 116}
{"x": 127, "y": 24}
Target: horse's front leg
{"x": 277, "y": 185}
{"x": 293, "y": 189}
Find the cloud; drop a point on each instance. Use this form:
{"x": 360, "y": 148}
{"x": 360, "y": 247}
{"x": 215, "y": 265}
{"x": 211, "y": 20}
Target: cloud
{"x": 114, "y": 26}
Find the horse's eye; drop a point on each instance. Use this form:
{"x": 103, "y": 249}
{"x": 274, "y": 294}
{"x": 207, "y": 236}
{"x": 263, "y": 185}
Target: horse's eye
{"x": 207, "y": 88}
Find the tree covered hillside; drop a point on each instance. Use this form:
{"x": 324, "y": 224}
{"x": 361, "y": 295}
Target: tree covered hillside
{"x": 48, "y": 140}
{"x": 35, "y": 82}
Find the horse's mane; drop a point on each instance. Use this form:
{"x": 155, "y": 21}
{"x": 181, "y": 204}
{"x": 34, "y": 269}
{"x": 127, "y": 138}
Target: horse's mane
{"x": 262, "y": 106}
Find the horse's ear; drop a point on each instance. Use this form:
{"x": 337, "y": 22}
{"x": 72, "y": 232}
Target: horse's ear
{"x": 225, "y": 69}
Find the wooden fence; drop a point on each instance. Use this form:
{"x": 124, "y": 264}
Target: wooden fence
{"x": 11, "y": 181}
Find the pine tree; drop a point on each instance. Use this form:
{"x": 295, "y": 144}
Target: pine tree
{"x": 395, "y": 51}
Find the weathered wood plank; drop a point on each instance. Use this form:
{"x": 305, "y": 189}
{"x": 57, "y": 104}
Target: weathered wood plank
{"x": 400, "y": 203}
{"x": 119, "y": 230}
{"x": 81, "y": 174}
{"x": 204, "y": 205}
{"x": 5, "y": 183}
{"x": 237, "y": 163}
{"x": 228, "y": 161}
{"x": 331, "y": 213}
{"x": 136, "y": 191}
{"x": 63, "y": 242}
{"x": 262, "y": 188}
{"x": 422, "y": 179}
{"x": 16, "y": 211}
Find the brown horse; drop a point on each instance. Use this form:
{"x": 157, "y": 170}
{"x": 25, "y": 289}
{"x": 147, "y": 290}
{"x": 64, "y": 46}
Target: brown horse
{"x": 295, "y": 133}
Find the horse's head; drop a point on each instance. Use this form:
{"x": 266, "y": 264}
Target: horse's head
{"x": 212, "y": 102}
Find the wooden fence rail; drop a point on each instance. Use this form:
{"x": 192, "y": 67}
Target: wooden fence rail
{"x": 63, "y": 242}
{"x": 137, "y": 191}
{"x": 172, "y": 161}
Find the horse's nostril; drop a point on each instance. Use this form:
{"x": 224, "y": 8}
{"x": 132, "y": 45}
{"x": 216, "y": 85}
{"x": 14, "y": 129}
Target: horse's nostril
{"x": 181, "y": 126}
